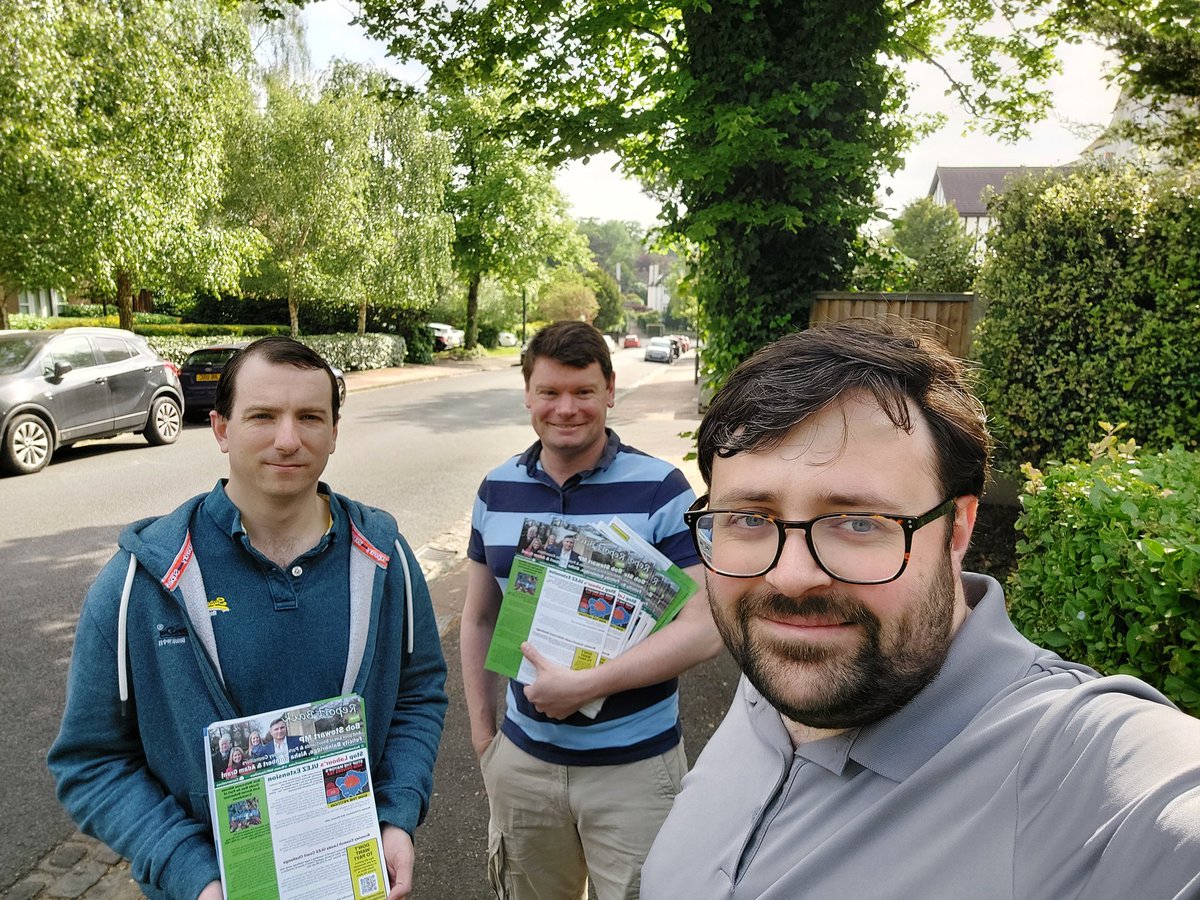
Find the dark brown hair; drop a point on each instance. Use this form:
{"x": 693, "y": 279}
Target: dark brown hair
{"x": 278, "y": 350}
{"x": 799, "y": 375}
{"x": 575, "y": 344}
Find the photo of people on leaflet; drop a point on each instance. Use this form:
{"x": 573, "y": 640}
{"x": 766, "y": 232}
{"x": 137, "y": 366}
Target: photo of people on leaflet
{"x": 251, "y": 746}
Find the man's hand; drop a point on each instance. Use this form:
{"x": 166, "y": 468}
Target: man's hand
{"x": 398, "y": 853}
{"x": 212, "y": 891}
{"x": 482, "y": 742}
{"x": 557, "y": 691}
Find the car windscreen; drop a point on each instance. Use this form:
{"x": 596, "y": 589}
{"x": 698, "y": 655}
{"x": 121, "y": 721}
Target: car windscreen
{"x": 16, "y": 350}
{"x": 209, "y": 358}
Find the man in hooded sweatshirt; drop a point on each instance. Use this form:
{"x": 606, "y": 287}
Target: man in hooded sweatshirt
{"x": 268, "y": 592}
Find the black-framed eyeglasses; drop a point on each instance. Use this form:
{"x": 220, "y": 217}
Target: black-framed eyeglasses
{"x": 854, "y": 547}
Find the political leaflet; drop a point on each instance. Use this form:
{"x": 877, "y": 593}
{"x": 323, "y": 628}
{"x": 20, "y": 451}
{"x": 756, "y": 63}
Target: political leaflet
{"x": 293, "y": 807}
{"x": 583, "y": 595}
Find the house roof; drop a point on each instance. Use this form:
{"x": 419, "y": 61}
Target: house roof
{"x": 966, "y": 186}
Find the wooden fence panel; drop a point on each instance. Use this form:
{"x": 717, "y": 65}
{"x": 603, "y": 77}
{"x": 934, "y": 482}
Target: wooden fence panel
{"x": 950, "y": 317}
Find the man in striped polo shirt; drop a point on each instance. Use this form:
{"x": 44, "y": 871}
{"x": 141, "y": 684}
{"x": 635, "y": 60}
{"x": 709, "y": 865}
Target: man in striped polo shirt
{"x": 572, "y": 797}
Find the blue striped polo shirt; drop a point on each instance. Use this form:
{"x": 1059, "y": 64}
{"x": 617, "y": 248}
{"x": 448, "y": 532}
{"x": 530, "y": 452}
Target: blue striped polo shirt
{"x": 650, "y": 496}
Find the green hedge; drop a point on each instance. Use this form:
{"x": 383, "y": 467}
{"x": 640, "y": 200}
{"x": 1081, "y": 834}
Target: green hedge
{"x": 349, "y": 352}
{"x": 1108, "y": 570}
{"x": 317, "y": 317}
{"x": 149, "y": 328}
{"x": 1092, "y": 283}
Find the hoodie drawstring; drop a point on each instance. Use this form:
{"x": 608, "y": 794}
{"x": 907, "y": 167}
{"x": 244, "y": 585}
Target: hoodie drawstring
{"x": 408, "y": 600}
{"x": 122, "y": 622}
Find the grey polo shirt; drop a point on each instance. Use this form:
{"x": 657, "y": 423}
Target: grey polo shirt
{"x": 1014, "y": 774}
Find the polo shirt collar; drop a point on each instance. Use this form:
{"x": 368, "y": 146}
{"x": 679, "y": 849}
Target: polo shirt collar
{"x": 530, "y": 460}
{"x": 987, "y": 655}
{"x": 228, "y": 517}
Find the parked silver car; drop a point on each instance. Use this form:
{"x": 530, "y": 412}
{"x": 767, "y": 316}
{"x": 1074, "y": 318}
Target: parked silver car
{"x": 659, "y": 350}
{"x": 59, "y": 387}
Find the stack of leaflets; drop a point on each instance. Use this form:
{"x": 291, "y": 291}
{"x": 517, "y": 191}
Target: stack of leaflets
{"x": 582, "y": 595}
{"x": 293, "y": 811}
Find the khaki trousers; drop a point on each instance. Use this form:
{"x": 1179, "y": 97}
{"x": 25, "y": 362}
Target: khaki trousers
{"x": 552, "y": 827}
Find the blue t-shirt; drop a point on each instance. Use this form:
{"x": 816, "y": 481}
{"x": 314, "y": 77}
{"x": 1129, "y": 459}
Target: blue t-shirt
{"x": 650, "y": 496}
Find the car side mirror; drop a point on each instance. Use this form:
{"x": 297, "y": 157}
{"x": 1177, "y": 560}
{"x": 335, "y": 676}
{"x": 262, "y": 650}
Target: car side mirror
{"x": 61, "y": 368}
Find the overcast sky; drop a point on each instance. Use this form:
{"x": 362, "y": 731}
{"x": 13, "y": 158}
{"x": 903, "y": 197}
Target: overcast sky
{"x": 1083, "y": 101}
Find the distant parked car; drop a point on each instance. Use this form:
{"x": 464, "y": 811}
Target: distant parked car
{"x": 507, "y": 339}
{"x": 202, "y": 370}
{"x": 659, "y": 350}
{"x": 59, "y": 387}
{"x": 632, "y": 340}
{"x": 610, "y": 343}
{"x": 445, "y": 337}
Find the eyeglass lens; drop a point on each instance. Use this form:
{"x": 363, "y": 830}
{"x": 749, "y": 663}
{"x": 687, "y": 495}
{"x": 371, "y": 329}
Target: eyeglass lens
{"x": 851, "y": 547}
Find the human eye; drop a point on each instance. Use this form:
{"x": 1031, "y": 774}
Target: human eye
{"x": 859, "y": 528}
{"x": 743, "y": 521}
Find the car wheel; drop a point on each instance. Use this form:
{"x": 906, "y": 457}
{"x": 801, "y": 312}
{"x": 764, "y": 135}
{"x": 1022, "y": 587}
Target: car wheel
{"x": 164, "y": 422}
{"x": 27, "y": 446}
{"x": 341, "y": 382}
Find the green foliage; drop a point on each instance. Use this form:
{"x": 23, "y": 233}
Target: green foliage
{"x": 510, "y": 219}
{"x": 1109, "y": 565}
{"x": 110, "y": 170}
{"x": 79, "y": 311}
{"x": 775, "y": 173}
{"x": 144, "y": 324}
{"x": 349, "y": 352}
{"x": 567, "y": 296}
{"x": 879, "y": 265}
{"x": 944, "y": 254}
{"x": 610, "y": 314}
{"x": 1156, "y": 60}
{"x": 615, "y": 245}
{"x": 761, "y": 124}
{"x": 1092, "y": 313}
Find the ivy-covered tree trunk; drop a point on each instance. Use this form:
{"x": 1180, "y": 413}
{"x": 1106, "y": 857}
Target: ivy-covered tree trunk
{"x": 362, "y": 316}
{"x": 294, "y": 314}
{"x": 125, "y": 299}
{"x": 783, "y": 146}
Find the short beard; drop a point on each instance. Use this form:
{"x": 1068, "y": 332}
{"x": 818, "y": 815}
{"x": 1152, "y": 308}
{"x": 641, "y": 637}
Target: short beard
{"x": 839, "y": 691}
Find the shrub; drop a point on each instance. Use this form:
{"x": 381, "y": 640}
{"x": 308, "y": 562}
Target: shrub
{"x": 1091, "y": 282}
{"x": 349, "y": 352}
{"x": 1108, "y": 569}
{"x": 489, "y": 336}
{"x": 81, "y": 310}
{"x": 352, "y": 352}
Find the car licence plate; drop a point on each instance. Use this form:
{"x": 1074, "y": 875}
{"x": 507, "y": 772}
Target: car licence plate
{"x": 210, "y": 376}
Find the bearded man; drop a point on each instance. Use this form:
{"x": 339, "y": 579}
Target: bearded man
{"x": 893, "y": 735}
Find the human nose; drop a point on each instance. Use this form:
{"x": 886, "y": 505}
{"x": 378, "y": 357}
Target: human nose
{"x": 287, "y": 434}
{"x": 796, "y": 571}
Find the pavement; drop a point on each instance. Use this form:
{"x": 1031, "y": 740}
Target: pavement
{"x": 451, "y": 843}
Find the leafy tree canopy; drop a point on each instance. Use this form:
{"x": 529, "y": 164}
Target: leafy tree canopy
{"x": 510, "y": 220}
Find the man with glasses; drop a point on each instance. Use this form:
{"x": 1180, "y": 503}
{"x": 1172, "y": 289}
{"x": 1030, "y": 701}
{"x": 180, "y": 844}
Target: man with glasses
{"x": 894, "y": 736}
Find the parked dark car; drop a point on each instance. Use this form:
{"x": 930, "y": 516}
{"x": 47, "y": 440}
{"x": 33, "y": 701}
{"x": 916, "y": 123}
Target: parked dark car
{"x": 59, "y": 387}
{"x": 202, "y": 371}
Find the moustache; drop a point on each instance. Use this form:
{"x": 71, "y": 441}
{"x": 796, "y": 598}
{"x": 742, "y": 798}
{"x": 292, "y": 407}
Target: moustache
{"x": 774, "y": 604}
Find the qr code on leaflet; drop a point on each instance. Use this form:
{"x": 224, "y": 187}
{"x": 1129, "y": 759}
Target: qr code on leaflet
{"x": 368, "y": 884}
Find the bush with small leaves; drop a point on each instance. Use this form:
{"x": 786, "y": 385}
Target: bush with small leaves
{"x": 1108, "y": 570}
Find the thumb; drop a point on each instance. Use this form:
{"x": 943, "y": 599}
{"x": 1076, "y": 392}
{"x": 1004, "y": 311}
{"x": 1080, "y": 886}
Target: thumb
{"x": 531, "y": 653}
